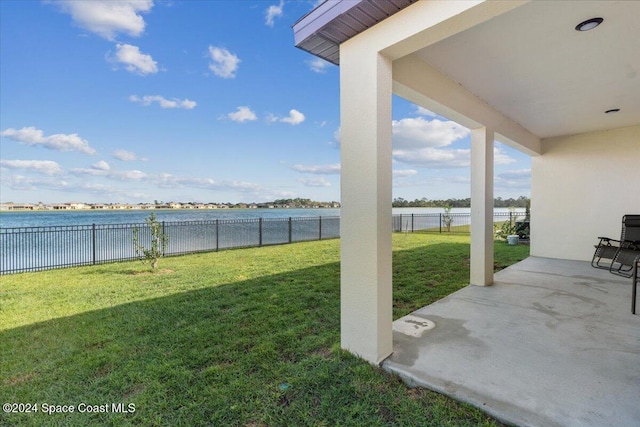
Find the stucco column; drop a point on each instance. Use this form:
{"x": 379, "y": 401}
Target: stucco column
{"x": 481, "y": 207}
{"x": 365, "y": 216}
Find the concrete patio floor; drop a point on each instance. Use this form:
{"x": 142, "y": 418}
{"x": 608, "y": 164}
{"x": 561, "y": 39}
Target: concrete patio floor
{"x": 550, "y": 343}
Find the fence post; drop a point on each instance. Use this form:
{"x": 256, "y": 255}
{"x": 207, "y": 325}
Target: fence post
{"x": 217, "y": 235}
{"x": 164, "y": 233}
{"x": 400, "y": 230}
{"x": 260, "y": 230}
{"x": 93, "y": 242}
{"x": 440, "y": 223}
{"x": 320, "y": 227}
{"x": 290, "y": 230}
{"x": 412, "y": 223}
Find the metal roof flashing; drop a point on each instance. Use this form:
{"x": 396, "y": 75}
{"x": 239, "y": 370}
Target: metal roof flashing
{"x": 321, "y": 31}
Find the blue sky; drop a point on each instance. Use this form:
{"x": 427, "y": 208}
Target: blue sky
{"x": 205, "y": 101}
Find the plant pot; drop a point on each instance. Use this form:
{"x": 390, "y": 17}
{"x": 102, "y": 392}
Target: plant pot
{"x": 512, "y": 239}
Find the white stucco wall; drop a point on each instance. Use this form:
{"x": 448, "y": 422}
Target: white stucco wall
{"x": 581, "y": 186}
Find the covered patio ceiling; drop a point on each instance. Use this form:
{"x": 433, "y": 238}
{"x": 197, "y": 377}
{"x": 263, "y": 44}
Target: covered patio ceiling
{"x": 514, "y": 71}
{"x": 529, "y": 63}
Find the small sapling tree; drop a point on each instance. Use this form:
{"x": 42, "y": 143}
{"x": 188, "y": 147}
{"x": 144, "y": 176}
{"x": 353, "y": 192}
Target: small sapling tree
{"x": 509, "y": 227}
{"x": 447, "y": 219}
{"x": 158, "y": 242}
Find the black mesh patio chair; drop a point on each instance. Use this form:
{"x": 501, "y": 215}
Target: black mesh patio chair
{"x": 623, "y": 262}
{"x": 636, "y": 280}
{"x": 617, "y": 255}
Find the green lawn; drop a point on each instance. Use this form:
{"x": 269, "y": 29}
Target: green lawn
{"x": 246, "y": 337}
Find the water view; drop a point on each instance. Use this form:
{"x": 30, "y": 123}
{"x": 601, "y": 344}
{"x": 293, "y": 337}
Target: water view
{"x": 88, "y": 217}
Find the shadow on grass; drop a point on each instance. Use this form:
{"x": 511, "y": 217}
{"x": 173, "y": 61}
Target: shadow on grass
{"x": 257, "y": 352}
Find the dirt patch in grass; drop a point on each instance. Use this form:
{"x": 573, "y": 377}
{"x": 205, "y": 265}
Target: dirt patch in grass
{"x": 416, "y": 393}
{"x": 19, "y": 379}
{"x": 137, "y": 389}
{"x": 158, "y": 272}
{"x": 324, "y": 352}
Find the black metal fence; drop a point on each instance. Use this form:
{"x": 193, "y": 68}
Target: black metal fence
{"x": 454, "y": 223}
{"x": 42, "y": 248}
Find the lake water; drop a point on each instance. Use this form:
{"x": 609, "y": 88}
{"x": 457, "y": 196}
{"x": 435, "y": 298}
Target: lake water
{"x": 88, "y": 217}
{"x": 54, "y": 218}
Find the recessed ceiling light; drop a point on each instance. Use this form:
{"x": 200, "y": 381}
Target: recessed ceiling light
{"x": 613, "y": 110}
{"x": 589, "y": 24}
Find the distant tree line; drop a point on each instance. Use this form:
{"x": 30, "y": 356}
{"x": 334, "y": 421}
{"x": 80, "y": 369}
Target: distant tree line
{"x": 499, "y": 202}
{"x": 302, "y": 203}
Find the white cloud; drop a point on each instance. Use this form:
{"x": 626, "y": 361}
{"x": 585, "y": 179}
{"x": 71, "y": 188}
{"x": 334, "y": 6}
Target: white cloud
{"x": 131, "y": 175}
{"x": 108, "y": 18}
{"x": 431, "y": 157}
{"x": 127, "y": 156}
{"x": 273, "y": 12}
{"x": 89, "y": 171}
{"x": 336, "y": 139}
{"x": 134, "y": 60}
{"x": 442, "y": 158}
{"x": 59, "y": 142}
{"x": 420, "y": 142}
{"x": 166, "y": 180}
{"x": 224, "y": 63}
{"x": 315, "y": 182}
{"x": 438, "y": 183}
{"x": 46, "y": 167}
{"x": 242, "y": 114}
{"x": 295, "y": 117}
{"x": 403, "y": 173}
{"x": 416, "y": 133}
{"x": 23, "y": 183}
{"x": 424, "y": 112}
{"x": 516, "y": 174}
{"x": 101, "y": 165}
{"x": 106, "y": 192}
{"x": 318, "y": 65}
{"x": 500, "y": 157}
{"x": 513, "y": 179}
{"x": 127, "y": 175}
{"x": 163, "y": 102}
{"x": 332, "y": 169}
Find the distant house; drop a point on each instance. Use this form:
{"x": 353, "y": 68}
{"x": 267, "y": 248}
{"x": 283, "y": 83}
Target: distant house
{"x": 17, "y": 207}
{"x": 78, "y": 206}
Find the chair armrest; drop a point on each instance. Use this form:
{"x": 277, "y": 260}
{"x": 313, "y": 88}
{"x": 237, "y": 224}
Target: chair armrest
{"x": 631, "y": 244}
{"x": 608, "y": 240}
